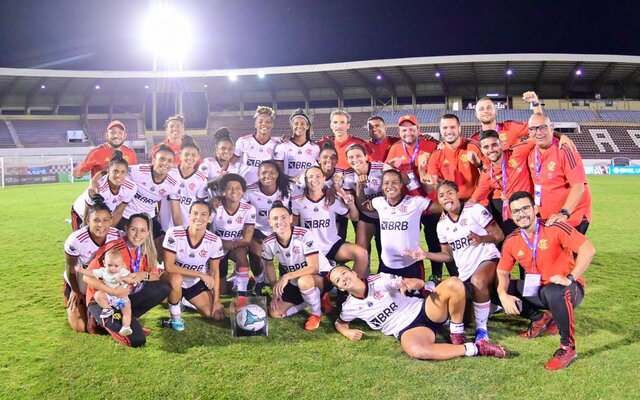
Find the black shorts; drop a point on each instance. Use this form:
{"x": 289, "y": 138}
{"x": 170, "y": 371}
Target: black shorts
{"x": 422, "y": 320}
{"x": 415, "y": 270}
{"x": 468, "y": 287}
{"x": 331, "y": 254}
{"x": 365, "y": 218}
{"x": 291, "y": 293}
{"x": 259, "y": 236}
{"x": 191, "y": 292}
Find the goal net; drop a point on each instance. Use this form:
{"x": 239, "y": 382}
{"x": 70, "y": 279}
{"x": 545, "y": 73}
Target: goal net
{"x": 28, "y": 170}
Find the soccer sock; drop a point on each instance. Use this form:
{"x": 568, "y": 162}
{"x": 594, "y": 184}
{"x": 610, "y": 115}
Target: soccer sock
{"x": 470, "y": 349}
{"x": 295, "y": 309}
{"x": 456, "y": 327}
{"x": 175, "y": 310}
{"x": 261, "y": 278}
{"x": 242, "y": 279}
{"x": 312, "y": 297}
{"x": 481, "y": 311}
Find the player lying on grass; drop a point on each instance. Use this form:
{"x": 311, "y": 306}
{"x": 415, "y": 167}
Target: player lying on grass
{"x": 192, "y": 262}
{"x": 302, "y": 265}
{"x": 553, "y": 279}
{"x": 380, "y": 302}
{"x": 114, "y": 274}
{"x": 468, "y": 235}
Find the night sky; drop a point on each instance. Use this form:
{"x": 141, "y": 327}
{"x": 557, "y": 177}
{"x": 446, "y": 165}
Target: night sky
{"x": 105, "y": 34}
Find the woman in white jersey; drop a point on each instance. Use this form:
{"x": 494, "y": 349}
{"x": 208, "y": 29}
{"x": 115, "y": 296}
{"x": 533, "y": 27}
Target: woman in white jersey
{"x": 234, "y": 222}
{"x": 302, "y": 268}
{"x": 369, "y": 174}
{"x": 192, "y": 258}
{"x": 154, "y": 183}
{"x": 299, "y": 153}
{"x": 399, "y": 215}
{"x": 252, "y": 150}
{"x": 468, "y": 235}
{"x": 381, "y": 303}
{"x": 79, "y": 249}
{"x": 312, "y": 211}
{"x": 216, "y": 167}
{"x": 272, "y": 186}
{"x": 114, "y": 189}
{"x": 191, "y": 183}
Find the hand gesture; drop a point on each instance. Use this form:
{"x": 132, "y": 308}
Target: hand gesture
{"x": 530, "y": 97}
{"x": 475, "y": 239}
{"x": 417, "y": 254}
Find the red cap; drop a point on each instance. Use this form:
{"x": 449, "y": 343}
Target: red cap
{"x": 115, "y": 122}
{"x": 408, "y": 118}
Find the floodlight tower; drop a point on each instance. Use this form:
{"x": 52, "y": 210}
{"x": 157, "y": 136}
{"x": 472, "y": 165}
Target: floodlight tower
{"x": 166, "y": 33}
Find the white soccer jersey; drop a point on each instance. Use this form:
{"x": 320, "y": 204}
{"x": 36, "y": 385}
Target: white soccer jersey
{"x": 252, "y": 153}
{"x": 372, "y": 189}
{"x": 473, "y": 218}
{"x": 190, "y": 189}
{"x": 383, "y": 308}
{"x": 112, "y": 200}
{"x": 231, "y": 227}
{"x": 399, "y": 228}
{"x": 292, "y": 256}
{"x": 80, "y": 244}
{"x": 110, "y": 279}
{"x": 296, "y": 158}
{"x": 149, "y": 192}
{"x": 194, "y": 257}
{"x": 320, "y": 217}
{"x": 262, "y": 203}
{"x": 328, "y": 183}
{"x": 212, "y": 168}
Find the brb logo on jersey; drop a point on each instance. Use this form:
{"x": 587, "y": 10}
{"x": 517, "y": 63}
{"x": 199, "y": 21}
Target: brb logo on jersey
{"x": 460, "y": 243}
{"x": 394, "y": 225}
{"x": 317, "y": 223}
{"x": 299, "y": 164}
{"x": 379, "y": 319}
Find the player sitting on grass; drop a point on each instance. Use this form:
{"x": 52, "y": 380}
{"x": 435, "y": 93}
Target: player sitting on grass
{"x": 381, "y": 303}
{"x": 302, "y": 267}
{"x": 114, "y": 274}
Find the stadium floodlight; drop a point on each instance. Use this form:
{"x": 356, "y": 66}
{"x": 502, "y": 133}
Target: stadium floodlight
{"x": 379, "y": 77}
{"x": 261, "y": 75}
{"x": 97, "y": 87}
{"x": 167, "y": 33}
{"x": 509, "y": 72}
{"x": 578, "y": 72}
{"x": 43, "y": 86}
{"x": 233, "y": 76}
{"x": 438, "y": 74}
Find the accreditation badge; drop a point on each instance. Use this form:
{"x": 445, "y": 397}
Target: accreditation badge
{"x": 413, "y": 182}
{"x": 537, "y": 195}
{"x": 531, "y": 285}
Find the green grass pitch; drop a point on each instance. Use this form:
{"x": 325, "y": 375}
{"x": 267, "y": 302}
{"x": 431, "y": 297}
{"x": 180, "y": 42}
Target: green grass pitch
{"x": 40, "y": 357}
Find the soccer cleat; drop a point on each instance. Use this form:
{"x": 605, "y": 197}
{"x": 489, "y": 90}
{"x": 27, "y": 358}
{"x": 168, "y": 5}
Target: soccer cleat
{"x": 457, "y": 338}
{"x": 176, "y": 323}
{"x": 537, "y": 328}
{"x": 125, "y": 331}
{"x": 482, "y": 334}
{"x": 106, "y": 313}
{"x": 313, "y": 322}
{"x": 552, "y": 328}
{"x": 257, "y": 289}
{"x": 488, "y": 349}
{"x": 325, "y": 304}
{"x": 562, "y": 358}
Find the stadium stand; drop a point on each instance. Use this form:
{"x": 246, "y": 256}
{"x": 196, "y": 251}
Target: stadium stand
{"x": 50, "y": 133}
{"x": 6, "y": 141}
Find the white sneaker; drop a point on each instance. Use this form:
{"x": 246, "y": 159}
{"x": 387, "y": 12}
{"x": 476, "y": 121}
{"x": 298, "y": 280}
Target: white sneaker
{"x": 125, "y": 331}
{"x": 106, "y": 313}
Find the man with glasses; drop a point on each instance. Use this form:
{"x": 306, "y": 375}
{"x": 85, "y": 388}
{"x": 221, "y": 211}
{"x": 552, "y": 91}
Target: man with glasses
{"x": 554, "y": 276}
{"x": 560, "y": 186}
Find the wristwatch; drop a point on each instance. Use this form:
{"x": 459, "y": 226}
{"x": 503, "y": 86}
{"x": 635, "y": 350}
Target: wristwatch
{"x": 565, "y": 212}
{"x": 571, "y": 278}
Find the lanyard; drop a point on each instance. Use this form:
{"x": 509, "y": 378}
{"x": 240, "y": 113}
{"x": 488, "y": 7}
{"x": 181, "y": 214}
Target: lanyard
{"x": 415, "y": 151}
{"x": 135, "y": 264}
{"x": 504, "y": 173}
{"x": 538, "y": 163}
{"x": 532, "y": 246}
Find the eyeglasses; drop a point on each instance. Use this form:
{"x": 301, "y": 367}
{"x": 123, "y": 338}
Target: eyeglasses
{"x": 524, "y": 209}
{"x": 542, "y": 128}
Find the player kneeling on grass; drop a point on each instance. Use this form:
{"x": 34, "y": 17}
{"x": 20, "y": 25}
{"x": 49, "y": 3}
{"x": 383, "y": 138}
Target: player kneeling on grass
{"x": 468, "y": 235}
{"x": 192, "y": 258}
{"x": 380, "y": 302}
{"x": 114, "y": 274}
{"x": 553, "y": 279}
{"x": 301, "y": 265}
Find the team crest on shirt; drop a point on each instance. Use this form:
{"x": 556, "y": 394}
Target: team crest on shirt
{"x": 309, "y": 152}
{"x": 403, "y": 209}
{"x": 551, "y": 166}
{"x": 503, "y": 137}
{"x": 192, "y": 186}
{"x": 542, "y": 244}
{"x": 325, "y": 207}
{"x": 162, "y": 192}
{"x": 239, "y": 220}
{"x": 269, "y": 151}
{"x": 374, "y": 182}
{"x": 202, "y": 253}
{"x": 464, "y": 158}
{"x": 463, "y": 222}
{"x": 513, "y": 163}
{"x": 377, "y": 295}
{"x": 295, "y": 250}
